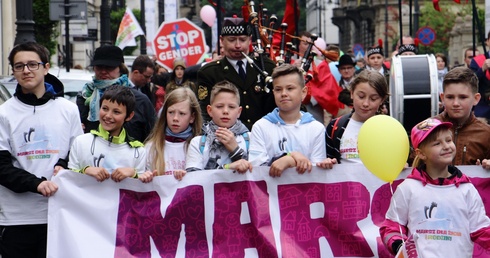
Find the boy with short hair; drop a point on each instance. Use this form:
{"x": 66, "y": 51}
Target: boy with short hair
{"x": 109, "y": 151}
{"x": 37, "y": 127}
{"x": 224, "y": 144}
{"x": 287, "y": 137}
{"x": 471, "y": 136}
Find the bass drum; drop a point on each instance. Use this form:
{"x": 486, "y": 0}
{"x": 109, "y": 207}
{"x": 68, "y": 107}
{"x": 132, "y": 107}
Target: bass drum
{"x": 413, "y": 89}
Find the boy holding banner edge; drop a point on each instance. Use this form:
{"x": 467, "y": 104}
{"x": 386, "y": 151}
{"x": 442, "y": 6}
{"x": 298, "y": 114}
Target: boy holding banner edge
{"x": 287, "y": 137}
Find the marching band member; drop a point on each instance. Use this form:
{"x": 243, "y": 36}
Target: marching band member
{"x": 256, "y": 101}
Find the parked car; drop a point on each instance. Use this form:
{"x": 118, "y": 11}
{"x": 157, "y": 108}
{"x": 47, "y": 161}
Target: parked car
{"x": 4, "y": 94}
{"x": 73, "y": 81}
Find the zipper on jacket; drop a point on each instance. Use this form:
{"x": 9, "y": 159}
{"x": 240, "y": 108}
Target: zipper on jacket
{"x": 464, "y": 155}
{"x": 110, "y": 139}
{"x": 455, "y": 143}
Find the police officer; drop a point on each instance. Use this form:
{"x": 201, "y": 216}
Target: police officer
{"x": 255, "y": 100}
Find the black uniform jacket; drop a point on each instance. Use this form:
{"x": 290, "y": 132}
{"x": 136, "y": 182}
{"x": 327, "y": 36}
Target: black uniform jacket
{"x": 254, "y": 100}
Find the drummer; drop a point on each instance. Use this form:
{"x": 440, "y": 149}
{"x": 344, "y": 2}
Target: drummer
{"x": 408, "y": 50}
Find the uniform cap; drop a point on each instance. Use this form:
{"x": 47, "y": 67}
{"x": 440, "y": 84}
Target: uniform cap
{"x": 407, "y": 48}
{"x": 234, "y": 26}
{"x": 376, "y": 49}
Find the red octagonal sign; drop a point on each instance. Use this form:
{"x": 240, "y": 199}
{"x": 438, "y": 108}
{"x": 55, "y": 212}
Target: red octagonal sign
{"x": 179, "y": 38}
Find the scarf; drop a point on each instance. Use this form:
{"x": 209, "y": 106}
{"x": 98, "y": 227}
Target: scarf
{"x": 178, "y": 137}
{"x": 216, "y": 147}
{"x": 274, "y": 117}
{"x": 92, "y": 91}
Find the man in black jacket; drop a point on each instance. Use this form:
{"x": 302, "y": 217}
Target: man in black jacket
{"x": 254, "y": 98}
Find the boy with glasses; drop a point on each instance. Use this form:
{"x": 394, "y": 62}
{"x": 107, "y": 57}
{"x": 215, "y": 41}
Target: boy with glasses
{"x": 37, "y": 127}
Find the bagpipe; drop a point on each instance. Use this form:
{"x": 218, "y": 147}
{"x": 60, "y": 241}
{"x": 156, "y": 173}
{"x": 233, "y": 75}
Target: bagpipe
{"x": 275, "y": 41}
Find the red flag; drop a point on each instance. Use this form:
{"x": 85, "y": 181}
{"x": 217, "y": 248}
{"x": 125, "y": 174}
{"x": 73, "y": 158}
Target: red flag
{"x": 290, "y": 19}
{"x": 245, "y": 12}
{"x": 436, "y": 5}
{"x": 325, "y": 89}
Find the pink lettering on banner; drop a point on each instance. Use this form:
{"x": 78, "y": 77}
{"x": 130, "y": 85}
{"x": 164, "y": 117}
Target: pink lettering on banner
{"x": 303, "y": 223}
{"x": 139, "y": 218}
{"x": 242, "y": 220}
{"x": 483, "y": 187}
{"x": 379, "y": 207}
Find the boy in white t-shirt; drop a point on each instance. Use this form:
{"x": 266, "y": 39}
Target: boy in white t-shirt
{"x": 287, "y": 137}
{"x": 37, "y": 127}
{"x": 109, "y": 152}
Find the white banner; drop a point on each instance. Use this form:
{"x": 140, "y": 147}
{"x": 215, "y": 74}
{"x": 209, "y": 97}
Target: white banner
{"x": 171, "y": 10}
{"x": 325, "y": 213}
{"x": 151, "y": 24}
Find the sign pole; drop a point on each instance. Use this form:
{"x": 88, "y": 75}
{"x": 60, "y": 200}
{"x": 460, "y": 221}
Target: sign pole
{"x": 143, "y": 26}
{"x": 67, "y": 35}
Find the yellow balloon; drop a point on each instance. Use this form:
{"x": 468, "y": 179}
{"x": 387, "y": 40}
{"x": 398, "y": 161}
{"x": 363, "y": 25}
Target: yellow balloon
{"x": 383, "y": 146}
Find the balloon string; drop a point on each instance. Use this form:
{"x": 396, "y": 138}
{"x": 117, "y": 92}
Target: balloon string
{"x": 396, "y": 213}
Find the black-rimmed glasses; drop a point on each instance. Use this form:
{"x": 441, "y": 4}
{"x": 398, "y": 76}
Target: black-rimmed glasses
{"x": 32, "y": 66}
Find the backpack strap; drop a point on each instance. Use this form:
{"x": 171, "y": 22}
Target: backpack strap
{"x": 339, "y": 123}
{"x": 336, "y": 133}
{"x": 202, "y": 143}
{"x": 247, "y": 139}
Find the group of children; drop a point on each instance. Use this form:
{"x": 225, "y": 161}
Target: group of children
{"x": 284, "y": 138}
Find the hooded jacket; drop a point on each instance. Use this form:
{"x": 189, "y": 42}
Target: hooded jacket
{"x": 17, "y": 179}
{"x": 35, "y": 134}
{"x": 428, "y": 210}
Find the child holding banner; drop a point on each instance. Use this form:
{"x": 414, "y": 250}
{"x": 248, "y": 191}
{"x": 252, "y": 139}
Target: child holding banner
{"x": 37, "y": 127}
{"x": 369, "y": 91}
{"x": 287, "y": 137}
{"x": 179, "y": 122}
{"x": 436, "y": 207}
{"x": 109, "y": 151}
{"x": 224, "y": 144}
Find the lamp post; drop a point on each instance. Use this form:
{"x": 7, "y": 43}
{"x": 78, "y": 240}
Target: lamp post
{"x": 143, "y": 27}
{"x": 161, "y": 10}
{"x": 105, "y": 23}
{"x": 25, "y": 22}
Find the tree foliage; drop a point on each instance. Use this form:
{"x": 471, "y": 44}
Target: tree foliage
{"x": 442, "y": 23}
{"x": 44, "y": 28}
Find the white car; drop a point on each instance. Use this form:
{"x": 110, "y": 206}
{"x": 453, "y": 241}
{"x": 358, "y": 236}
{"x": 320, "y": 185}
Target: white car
{"x": 73, "y": 81}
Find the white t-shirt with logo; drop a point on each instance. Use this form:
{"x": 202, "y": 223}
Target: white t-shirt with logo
{"x": 348, "y": 144}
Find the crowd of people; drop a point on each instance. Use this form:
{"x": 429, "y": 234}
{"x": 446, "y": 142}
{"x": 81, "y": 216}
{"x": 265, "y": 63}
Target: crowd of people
{"x": 149, "y": 122}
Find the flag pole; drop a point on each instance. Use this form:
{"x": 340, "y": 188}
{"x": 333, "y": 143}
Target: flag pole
{"x": 481, "y": 33}
{"x": 410, "y": 18}
{"x": 143, "y": 27}
{"x": 218, "y": 16}
{"x": 400, "y": 20}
